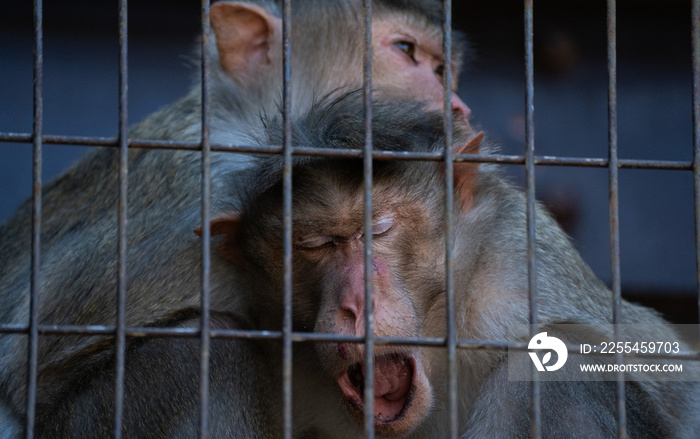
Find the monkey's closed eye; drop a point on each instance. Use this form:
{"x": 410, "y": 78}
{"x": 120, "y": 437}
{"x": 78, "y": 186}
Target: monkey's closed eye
{"x": 408, "y": 48}
{"x": 382, "y": 226}
{"x": 315, "y": 242}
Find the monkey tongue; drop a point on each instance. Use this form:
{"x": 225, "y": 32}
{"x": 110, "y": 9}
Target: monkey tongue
{"x": 393, "y": 379}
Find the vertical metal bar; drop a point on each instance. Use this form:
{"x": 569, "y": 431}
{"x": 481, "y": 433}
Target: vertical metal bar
{"x": 535, "y": 412}
{"x": 449, "y": 223}
{"x": 287, "y": 188}
{"x": 695, "y": 16}
{"x": 206, "y": 232}
{"x": 122, "y": 218}
{"x": 33, "y": 345}
{"x": 613, "y": 171}
{"x": 367, "y": 185}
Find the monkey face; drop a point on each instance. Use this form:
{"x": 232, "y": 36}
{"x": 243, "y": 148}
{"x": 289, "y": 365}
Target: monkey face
{"x": 329, "y": 279}
{"x": 406, "y": 265}
{"x": 409, "y": 61}
{"x": 329, "y": 245}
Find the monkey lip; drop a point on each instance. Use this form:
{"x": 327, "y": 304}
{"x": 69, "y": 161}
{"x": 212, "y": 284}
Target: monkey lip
{"x": 393, "y": 386}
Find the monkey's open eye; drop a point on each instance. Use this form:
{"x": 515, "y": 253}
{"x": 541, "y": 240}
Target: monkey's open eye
{"x": 382, "y": 226}
{"x": 408, "y": 48}
{"x": 315, "y": 242}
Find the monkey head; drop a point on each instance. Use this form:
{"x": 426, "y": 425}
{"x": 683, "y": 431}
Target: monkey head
{"x": 407, "y": 59}
{"x": 407, "y": 260}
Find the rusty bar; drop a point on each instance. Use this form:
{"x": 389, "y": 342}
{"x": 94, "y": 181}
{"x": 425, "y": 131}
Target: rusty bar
{"x": 120, "y": 348}
{"x": 535, "y": 402}
{"x": 205, "y": 344}
{"x": 287, "y": 352}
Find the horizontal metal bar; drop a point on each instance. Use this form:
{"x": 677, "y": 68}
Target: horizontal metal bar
{"x": 355, "y": 153}
{"x": 227, "y": 334}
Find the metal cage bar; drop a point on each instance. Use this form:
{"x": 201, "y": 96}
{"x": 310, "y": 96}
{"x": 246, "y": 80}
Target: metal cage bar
{"x": 535, "y": 401}
{"x": 120, "y": 340}
{"x": 367, "y": 157}
{"x": 509, "y": 159}
{"x": 287, "y": 189}
{"x": 33, "y": 330}
{"x": 613, "y": 176}
{"x": 451, "y": 330}
{"x": 254, "y": 334}
{"x": 204, "y": 322}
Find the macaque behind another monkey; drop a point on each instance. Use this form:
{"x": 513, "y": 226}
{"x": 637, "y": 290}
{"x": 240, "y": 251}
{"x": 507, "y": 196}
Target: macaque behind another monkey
{"x": 409, "y": 288}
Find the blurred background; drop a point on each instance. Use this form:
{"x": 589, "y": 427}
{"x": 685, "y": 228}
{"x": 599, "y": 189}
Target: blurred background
{"x": 658, "y": 263}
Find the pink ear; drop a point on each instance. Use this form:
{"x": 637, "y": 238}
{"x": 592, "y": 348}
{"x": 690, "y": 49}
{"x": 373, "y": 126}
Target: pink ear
{"x": 246, "y": 36}
{"x": 465, "y": 172}
{"x": 230, "y": 226}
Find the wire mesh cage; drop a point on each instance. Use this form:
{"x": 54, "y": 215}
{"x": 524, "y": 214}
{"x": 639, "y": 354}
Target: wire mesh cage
{"x": 557, "y": 57}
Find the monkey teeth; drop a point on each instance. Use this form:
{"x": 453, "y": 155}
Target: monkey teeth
{"x": 393, "y": 386}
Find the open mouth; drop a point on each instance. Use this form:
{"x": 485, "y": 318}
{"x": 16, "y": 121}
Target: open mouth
{"x": 393, "y": 386}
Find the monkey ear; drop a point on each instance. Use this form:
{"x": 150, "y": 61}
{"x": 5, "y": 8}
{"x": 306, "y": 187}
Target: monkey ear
{"x": 465, "y": 172}
{"x": 246, "y": 37}
{"x": 230, "y": 226}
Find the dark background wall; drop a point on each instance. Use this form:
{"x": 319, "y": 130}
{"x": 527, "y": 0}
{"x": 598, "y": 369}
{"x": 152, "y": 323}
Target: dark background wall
{"x": 654, "y": 90}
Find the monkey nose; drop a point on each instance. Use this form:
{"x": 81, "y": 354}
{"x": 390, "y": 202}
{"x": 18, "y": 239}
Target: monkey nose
{"x": 352, "y": 311}
{"x": 348, "y": 313}
{"x": 352, "y": 319}
{"x": 460, "y": 108}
